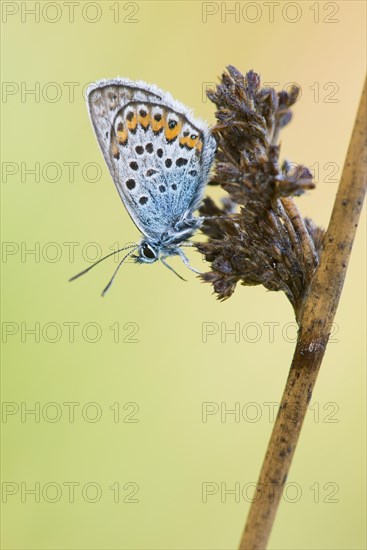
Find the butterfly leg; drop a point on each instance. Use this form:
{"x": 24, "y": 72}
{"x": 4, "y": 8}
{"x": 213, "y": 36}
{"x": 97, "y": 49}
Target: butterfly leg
{"x": 171, "y": 268}
{"x": 187, "y": 244}
{"x": 219, "y": 217}
{"x": 228, "y": 217}
{"x": 186, "y": 261}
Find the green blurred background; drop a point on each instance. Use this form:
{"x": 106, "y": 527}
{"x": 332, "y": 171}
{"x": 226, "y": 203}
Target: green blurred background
{"x": 132, "y": 410}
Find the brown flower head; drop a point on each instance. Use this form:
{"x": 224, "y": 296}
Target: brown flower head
{"x": 267, "y": 241}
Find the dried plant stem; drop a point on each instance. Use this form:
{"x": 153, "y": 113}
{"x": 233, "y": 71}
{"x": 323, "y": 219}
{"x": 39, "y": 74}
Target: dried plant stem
{"x": 315, "y": 320}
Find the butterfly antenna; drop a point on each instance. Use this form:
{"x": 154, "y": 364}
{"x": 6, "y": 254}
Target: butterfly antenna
{"x": 171, "y": 269}
{"x": 117, "y": 268}
{"x": 186, "y": 261}
{"x": 101, "y": 260}
{"x": 218, "y": 217}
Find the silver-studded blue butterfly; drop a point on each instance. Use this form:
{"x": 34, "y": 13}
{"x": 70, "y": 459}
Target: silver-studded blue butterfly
{"x": 159, "y": 157}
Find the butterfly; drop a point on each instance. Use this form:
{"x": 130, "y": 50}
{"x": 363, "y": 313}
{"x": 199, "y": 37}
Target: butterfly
{"x": 159, "y": 157}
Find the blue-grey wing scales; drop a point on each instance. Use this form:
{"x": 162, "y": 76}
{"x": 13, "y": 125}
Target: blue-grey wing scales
{"x": 159, "y": 156}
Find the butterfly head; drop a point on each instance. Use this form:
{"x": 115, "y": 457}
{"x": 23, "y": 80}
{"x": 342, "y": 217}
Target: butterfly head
{"x": 149, "y": 251}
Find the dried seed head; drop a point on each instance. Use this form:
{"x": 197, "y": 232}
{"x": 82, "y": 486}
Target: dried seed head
{"x": 266, "y": 242}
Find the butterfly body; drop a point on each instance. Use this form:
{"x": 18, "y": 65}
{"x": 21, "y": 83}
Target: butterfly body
{"x": 159, "y": 157}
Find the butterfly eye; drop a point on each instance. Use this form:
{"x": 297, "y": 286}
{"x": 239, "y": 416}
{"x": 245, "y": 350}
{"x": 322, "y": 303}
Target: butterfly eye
{"x": 148, "y": 252}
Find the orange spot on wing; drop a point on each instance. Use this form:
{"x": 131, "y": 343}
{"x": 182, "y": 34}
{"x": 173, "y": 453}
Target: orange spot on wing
{"x": 131, "y": 124}
{"x": 157, "y": 124}
{"x": 183, "y": 140}
{"x": 172, "y": 133}
{"x": 191, "y": 142}
{"x": 144, "y": 120}
{"x": 114, "y": 150}
{"x": 122, "y": 135}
